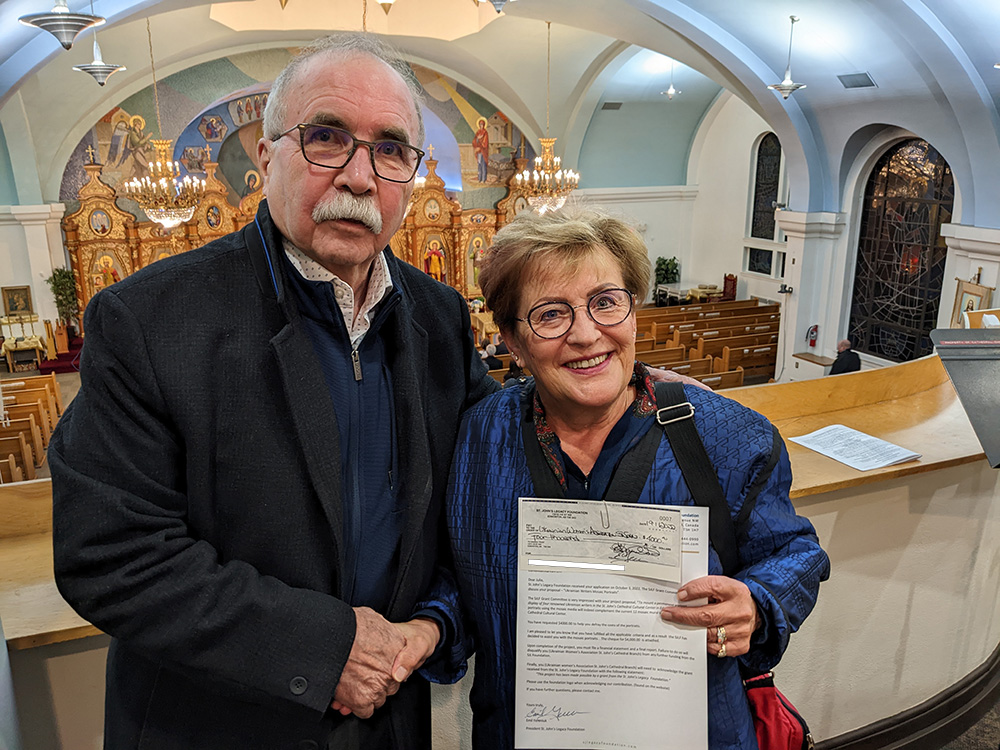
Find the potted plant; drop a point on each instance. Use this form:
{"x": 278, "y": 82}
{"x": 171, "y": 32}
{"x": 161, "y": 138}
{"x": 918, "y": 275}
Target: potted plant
{"x": 63, "y": 286}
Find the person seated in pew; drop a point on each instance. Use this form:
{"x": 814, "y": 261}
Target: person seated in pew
{"x": 562, "y": 287}
{"x": 847, "y": 359}
{"x": 490, "y": 358}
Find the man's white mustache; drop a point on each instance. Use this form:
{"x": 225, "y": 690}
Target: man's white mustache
{"x": 349, "y": 206}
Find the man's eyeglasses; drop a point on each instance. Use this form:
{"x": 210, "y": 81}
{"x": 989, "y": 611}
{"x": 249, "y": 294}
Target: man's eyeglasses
{"x": 607, "y": 308}
{"x": 326, "y": 146}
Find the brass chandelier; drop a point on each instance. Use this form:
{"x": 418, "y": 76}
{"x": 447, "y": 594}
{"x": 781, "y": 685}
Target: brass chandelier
{"x": 548, "y": 184}
{"x": 162, "y": 195}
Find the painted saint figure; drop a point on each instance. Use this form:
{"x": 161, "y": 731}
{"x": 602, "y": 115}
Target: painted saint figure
{"x": 476, "y": 250}
{"x": 434, "y": 260}
{"x": 481, "y": 146}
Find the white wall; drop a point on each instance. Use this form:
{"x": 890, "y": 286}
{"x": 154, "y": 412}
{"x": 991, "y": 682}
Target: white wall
{"x": 720, "y": 165}
{"x": 911, "y": 606}
{"x": 661, "y": 214}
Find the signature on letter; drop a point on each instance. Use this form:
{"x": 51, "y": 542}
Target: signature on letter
{"x": 540, "y": 712}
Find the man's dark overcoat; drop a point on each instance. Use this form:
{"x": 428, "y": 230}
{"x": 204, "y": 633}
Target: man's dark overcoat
{"x": 197, "y": 498}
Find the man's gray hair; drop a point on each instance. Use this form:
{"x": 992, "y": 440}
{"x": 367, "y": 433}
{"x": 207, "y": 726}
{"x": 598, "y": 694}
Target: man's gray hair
{"x": 345, "y": 44}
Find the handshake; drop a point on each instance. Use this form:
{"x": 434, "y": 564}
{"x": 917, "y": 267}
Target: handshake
{"x": 382, "y": 658}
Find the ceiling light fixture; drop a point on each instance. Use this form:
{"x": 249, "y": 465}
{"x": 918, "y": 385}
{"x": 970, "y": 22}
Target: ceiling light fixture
{"x": 788, "y": 86}
{"x": 98, "y": 69}
{"x": 62, "y": 24}
{"x": 671, "y": 92}
{"x": 165, "y": 198}
{"x": 548, "y": 184}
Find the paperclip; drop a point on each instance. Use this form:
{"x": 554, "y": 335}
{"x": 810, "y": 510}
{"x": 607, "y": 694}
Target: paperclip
{"x": 605, "y": 515}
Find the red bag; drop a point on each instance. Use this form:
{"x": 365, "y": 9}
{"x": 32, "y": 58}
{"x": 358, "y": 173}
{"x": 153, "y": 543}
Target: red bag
{"x": 777, "y": 724}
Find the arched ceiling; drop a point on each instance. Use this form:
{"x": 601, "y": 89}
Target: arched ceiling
{"x": 932, "y": 61}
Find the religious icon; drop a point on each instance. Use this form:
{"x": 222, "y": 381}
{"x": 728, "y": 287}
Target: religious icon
{"x": 432, "y": 209}
{"x": 481, "y": 147}
{"x": 100, "y": 222}
{"x": 106, "y": 269}
{"x": 212, "y": 128}
{"x": 252, "y": 180}
{"x": 476, "y": 249}
{"x": 129, "y": 147}
{"x": 16, "y": 300}
{"x": 969, "y": 297}
{"x": 434, "y": 260}
{"x": 193, "y": 158}
{"x": 520, "y": 203}
{"x": 239, "y": 112}
{"x": 213, "y": 217}
{"x": 256, "y": 106}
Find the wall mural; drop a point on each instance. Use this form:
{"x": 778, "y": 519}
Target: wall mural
{"x": 213, "y": 112}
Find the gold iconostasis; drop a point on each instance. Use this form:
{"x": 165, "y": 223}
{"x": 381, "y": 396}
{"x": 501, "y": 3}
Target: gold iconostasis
{"x": 107, "y": 243}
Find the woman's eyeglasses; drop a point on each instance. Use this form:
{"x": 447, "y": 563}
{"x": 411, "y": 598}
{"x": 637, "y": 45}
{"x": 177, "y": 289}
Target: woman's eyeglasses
{"x": 607, "y": 308}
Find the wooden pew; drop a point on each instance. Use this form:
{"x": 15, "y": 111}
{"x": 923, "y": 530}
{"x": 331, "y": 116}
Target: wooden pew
{"x": 719, "y": 380}
{"x": 24, "y": 457}
{"x": 38, "y": 381}
{"x": 690, "y": 337}
{"x": 36, "y": 410}
{"x": 647, "y": 311}
{"x": 661, "y": 330}
{"x": 9, "y": 470}
{"x": 750, "y": 358}
{"x": 664, "y": 357}
{"x": 714, "y": 347}
{"x": 692, "y": 367}
{"x": 29, "y": 429}
{"x": 31, "y": 395}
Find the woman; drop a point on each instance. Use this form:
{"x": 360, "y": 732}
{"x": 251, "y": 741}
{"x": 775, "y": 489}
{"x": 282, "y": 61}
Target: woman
{"x": 562, "y": 288}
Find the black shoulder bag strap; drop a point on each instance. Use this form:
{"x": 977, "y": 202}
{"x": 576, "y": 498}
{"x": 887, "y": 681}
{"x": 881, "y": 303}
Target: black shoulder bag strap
{"x": 546, "y": 484}
{"x": 676, "y": 415}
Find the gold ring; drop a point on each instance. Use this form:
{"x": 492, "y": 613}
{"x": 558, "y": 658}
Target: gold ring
{"x": 722, "y": 651}
{"x": 720, "y": 635}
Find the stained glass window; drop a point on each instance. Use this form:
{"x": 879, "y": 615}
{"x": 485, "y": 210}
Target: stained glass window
{"x": 901, "y": 254}
{"x": 765, "y": 191}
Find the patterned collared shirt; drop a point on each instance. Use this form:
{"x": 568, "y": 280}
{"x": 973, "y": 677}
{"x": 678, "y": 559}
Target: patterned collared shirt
{"x": 379, "y": 284}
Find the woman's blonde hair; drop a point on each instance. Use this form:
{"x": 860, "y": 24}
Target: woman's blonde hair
{"x": 567, "y": 236}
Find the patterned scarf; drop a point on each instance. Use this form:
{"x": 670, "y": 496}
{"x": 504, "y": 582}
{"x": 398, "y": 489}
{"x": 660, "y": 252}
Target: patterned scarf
{"x": 643, "y": 406}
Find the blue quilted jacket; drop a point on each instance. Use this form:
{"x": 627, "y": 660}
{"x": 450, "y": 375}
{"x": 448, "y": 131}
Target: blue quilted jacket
{"x": 781, "y": 560}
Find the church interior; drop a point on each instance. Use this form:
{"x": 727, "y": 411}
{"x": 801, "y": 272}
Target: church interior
{"x": 801, "y": 171}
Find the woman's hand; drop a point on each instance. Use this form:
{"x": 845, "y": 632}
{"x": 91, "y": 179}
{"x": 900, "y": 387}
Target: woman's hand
{"x": 730, "y": 617}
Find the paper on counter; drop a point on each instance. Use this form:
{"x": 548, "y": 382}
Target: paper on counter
{"x": 856, "y": 449}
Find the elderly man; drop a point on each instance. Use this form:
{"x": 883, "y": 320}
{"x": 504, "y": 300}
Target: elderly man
{"x": 847, "y": 359}
{"x": 247, "y": 487}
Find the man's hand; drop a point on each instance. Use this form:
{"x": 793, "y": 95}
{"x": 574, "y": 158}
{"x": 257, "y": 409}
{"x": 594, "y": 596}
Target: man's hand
{"x": 367, "y": 678}
{"x": 667, "y": 376}
{"x": 422, "y": 636}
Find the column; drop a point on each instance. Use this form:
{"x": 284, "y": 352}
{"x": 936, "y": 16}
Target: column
{"x": 43, "y": 251}
{"x": 816, "y": 282}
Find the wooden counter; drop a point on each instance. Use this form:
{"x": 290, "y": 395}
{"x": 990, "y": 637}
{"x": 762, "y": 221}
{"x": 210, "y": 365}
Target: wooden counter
{"x": 913, "y": 405}
{"x": 33, "y": 611}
